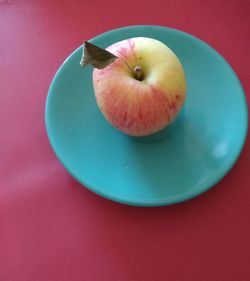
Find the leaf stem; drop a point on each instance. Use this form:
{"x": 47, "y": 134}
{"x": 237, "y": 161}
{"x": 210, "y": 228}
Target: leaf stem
{"x": 127, "y": 65}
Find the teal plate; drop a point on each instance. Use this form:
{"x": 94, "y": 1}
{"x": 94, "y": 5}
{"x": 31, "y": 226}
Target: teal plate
{"x": 180, "y": 162}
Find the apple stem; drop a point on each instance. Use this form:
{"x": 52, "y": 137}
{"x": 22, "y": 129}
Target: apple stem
{"x": 138, "y": 73}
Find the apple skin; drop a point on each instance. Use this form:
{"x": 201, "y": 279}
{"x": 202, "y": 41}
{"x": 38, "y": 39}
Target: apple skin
{"x": 140, "y": 108}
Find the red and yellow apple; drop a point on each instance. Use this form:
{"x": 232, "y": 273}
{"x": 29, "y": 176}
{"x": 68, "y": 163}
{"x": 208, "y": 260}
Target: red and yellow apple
{"x": 143, "y": 90}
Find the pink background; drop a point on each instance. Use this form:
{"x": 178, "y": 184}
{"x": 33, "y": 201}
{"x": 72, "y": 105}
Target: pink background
{"x": 51, "y": 228}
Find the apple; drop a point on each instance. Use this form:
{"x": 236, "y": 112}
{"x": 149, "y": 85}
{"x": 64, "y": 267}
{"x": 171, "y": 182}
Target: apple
{"x": 144, "y": 89}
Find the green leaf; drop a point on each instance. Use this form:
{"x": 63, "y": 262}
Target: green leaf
{"x": 96, "y": 56}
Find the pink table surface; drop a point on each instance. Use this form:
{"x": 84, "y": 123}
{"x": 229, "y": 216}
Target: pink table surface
{"x": 51, "y": 228}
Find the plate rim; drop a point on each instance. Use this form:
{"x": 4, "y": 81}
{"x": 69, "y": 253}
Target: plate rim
{"x": 162, "y": 201}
